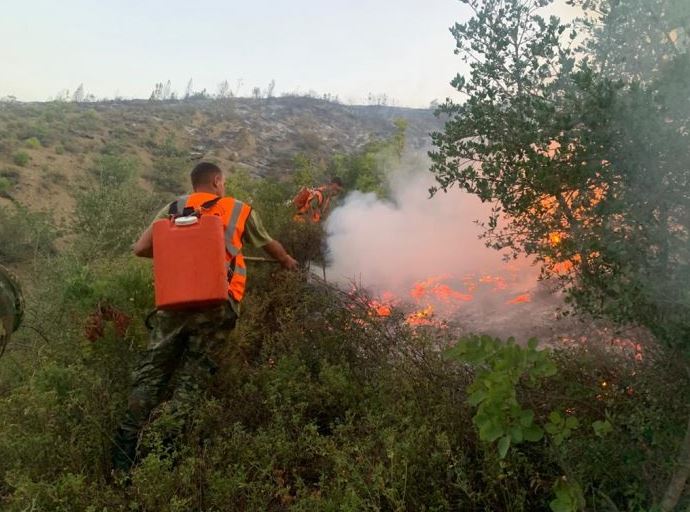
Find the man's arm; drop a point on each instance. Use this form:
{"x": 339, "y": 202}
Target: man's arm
{"x": 275, "y": 249}
{"x": 144, "y": 246}
{"x": 255, "y": 235}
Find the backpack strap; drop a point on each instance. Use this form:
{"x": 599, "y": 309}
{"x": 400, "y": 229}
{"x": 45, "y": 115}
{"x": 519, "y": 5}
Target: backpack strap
{"x": 210, "y": 203}
{"x": 177, "y": 207}
{"x": 179, "y": 204}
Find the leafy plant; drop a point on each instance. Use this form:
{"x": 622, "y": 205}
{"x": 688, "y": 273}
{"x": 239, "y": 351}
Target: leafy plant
{"x": 568, "y": 497}
{"x": 561, "y": 427}
{"x": 499, "y": 368}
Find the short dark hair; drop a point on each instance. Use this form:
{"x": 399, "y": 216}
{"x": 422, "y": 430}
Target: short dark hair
{"x": 203, "y": 174}
{"x": 337, "y": 181}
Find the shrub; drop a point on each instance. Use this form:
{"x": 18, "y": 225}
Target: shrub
{"x": 21, "y": 159}
{"x": 32, "y": 143}
{"x": 109, "y": 218}
{"x": 45, "y": 134}
{"x": 115, "y": 170}
{"x": 5, "y": 185}
{"x": 25, "y": 235}
{"x": 88, "y": 121}
{"x": 170, "y": 174}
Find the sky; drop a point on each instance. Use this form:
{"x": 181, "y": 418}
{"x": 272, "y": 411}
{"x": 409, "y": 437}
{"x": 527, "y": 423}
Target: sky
{"x": 348, "y": 48}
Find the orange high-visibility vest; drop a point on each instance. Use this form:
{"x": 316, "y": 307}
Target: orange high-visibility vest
{"x": 304, "y": 213}
{"x": 234, "y": 215}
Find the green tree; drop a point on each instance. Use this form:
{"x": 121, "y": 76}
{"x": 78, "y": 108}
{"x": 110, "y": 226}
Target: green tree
{"x": 634, "y": 39}
{"x": 585, "y": 162}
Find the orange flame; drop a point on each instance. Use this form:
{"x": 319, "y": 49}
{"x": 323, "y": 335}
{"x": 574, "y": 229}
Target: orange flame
{"x": 498, "y": 282}
{"x": 555, "y": 238}
{"x": 433, "y": 287}
{"x": 520, "y": 299}
{"x": 422, "y": 317}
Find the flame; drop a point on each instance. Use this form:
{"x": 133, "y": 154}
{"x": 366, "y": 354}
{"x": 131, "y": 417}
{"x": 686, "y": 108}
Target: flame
{"x": 440, "y": 297}
{"x": 432, "y": 287}
{"x": 520, "y": 299}
{"x": 498, "y": 282}
{"x": 570, "y": 204}
{"x": 422, "y": 317}
{"x": 555, "y": 238}
{"x": 381, "y": 309}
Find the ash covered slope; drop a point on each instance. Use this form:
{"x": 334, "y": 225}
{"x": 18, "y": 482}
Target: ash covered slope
{"x": 46, "y": 149}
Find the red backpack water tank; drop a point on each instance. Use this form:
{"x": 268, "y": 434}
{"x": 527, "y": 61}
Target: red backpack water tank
{"x": 189, "y": 262}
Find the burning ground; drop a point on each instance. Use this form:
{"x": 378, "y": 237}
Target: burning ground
{"x": 424, "y": 256}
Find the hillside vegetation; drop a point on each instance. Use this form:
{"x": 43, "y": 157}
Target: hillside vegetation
{"x": 319, "y": 403}
{"x": 48, "y": 149}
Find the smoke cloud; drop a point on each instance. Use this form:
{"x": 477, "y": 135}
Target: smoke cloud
{"x": 427, "y": 252}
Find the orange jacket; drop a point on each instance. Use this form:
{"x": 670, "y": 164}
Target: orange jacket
{"x": 309, "y": 211}
{"x": 234, "y": 215}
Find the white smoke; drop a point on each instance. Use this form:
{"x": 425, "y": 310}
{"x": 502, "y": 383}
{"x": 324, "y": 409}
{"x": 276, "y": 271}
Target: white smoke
{"x": 391, "y": 245}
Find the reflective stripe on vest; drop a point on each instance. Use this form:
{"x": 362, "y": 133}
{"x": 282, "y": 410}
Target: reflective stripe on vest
{"x": 234, "y": 215}
{"x": 181, "y": 203}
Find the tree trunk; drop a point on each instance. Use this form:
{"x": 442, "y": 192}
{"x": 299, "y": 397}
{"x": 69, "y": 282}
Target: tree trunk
{"x": 680, "y": 476}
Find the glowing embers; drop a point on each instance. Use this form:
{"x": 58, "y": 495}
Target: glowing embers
{"x": 424, "y": 317}
{"x": 438, "y": 299}
{"x": 520, "y": 299}
{"x": 433, "y": 287}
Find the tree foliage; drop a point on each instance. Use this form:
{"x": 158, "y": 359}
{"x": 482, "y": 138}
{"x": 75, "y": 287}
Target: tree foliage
{"x": 583, "y": 170}
{"x": 581, "y": 144}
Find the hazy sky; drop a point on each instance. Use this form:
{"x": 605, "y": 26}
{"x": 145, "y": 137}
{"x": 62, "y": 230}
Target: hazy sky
{"x": 347, "y": 48}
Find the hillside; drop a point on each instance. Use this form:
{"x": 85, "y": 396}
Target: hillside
{"x": 325, "y": 397}
{"x": 46, "y": 149}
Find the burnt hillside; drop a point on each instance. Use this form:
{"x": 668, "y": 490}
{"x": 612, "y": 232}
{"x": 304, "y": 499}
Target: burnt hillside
{"x": 48, "y": 149}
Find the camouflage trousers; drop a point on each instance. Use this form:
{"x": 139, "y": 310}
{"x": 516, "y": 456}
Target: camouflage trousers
{"x": 178, "y": 364}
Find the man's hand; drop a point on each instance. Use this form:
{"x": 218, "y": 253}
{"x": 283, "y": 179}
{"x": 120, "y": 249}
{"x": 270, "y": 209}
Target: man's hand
{"x": 289, "y": 263}
{"x": 275, "y": 249}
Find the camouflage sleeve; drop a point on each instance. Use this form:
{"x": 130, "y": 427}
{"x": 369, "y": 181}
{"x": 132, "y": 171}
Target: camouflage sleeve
{"x": 255, "y": 235}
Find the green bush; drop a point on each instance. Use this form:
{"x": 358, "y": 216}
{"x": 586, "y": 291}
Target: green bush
{"x": 88, "y": 121}
{"x": 21, "y": 158}
{"x": 115, "y": 170}
{"x": 32, "y": 143}
{"x": 170, "y": 174}
{"x": 318, "y": 406}
{"x": 111, "y": 213}
{"x": 5, "y": 185}
{"x": 44, "y": 133}
{"x": 25, "y": 235}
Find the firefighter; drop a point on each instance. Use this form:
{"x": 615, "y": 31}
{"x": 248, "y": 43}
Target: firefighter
{"x": 184, "y": 343}
{"x": 11, "y": 306}
{"x": 312, "y": 204}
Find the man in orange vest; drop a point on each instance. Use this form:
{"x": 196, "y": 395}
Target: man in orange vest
{"x": 313, "y": 204}
{"x": 184, "y": 342}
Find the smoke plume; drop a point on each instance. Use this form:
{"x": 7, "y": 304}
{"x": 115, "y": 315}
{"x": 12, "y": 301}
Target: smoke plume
{"x": 427, "y": 252}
